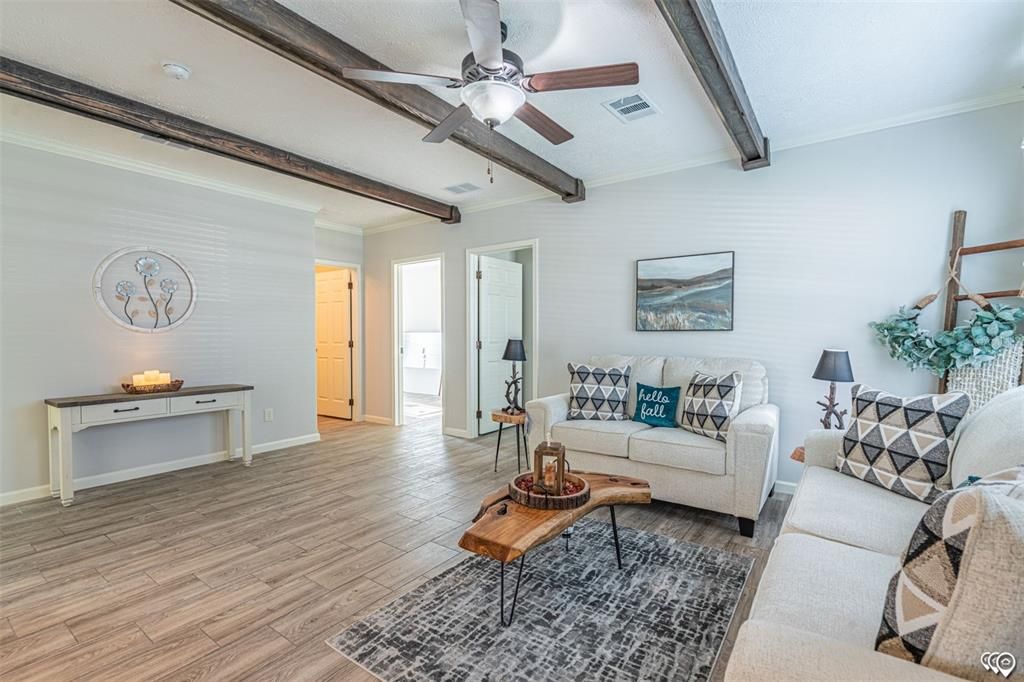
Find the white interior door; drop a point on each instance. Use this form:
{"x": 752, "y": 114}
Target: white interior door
{"x": 333, "y": 354}
{"x": 500, "y": 319}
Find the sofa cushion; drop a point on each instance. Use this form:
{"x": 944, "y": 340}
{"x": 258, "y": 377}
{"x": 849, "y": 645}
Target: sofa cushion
{"x": 837, "y": 507}
{"x": 959, "y": 589}
{"x": 679, "y": 370}
{"x": 825, "y": 587}
{"x": 902, "y": 444}
{"x": 711, "y": 403}
{"x": 599, "y": 437}
{"x": 678, "y": 449}
{"x": 990, "y": 439}
{"x": 644, "y": 369}
{"x": 598, "y": 392}
{"x": 769, "y": 652}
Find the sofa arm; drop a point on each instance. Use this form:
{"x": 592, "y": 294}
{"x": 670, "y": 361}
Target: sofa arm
{"x": 821, "y": 447}
{"x": 752, "y": 455}
{"x": 771, "y": 652}
{"x": 542, "y": 414}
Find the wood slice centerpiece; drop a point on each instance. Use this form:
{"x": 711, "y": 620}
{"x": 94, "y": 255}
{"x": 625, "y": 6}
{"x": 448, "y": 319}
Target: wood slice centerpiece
{"x": 549, "y": 485}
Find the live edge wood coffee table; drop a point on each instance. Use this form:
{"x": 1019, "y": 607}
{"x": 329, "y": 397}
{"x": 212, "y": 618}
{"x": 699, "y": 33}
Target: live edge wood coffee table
{"x": 505, "y": 530}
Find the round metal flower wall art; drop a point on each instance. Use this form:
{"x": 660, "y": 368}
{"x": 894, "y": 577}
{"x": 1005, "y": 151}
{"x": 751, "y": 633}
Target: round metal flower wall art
{"x": 144, "y": 289}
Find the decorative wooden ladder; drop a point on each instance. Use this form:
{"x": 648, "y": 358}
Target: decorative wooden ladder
{"x": 957, "y": 251}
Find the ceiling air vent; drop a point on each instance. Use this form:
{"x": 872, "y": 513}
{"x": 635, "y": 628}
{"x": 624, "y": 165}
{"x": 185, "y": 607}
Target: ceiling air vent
{"x": 463, "y": 188}
{"x": 631, "y": 107}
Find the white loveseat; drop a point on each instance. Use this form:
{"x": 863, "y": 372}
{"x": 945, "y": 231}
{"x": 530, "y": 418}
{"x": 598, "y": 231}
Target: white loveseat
{"x": 819, "y": 603}
{"x": 735, "y": 477}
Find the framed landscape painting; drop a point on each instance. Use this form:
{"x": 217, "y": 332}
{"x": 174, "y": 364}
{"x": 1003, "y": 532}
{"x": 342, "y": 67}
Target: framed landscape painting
{"x": 685, "y": 293}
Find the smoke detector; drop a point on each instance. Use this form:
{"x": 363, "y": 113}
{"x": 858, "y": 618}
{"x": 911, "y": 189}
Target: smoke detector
{"x": 178, "y": 72}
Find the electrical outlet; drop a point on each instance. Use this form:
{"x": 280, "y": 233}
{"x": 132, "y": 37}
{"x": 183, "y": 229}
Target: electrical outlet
{"x": 268, "y": 414}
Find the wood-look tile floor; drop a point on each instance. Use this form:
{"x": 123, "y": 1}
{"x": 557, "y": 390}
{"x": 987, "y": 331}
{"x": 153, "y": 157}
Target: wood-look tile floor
{"x": 225, "y": 572}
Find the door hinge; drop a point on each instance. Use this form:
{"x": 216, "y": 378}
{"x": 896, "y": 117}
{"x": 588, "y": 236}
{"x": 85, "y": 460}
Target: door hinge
{"x": 479, "y": 414}
{"x": 350, "y": 286}
{"x": 479, "y": 344}
{"x": 351, "y": 402}
{"x": 479, "y": 274}
{"x": 351, "y": 343}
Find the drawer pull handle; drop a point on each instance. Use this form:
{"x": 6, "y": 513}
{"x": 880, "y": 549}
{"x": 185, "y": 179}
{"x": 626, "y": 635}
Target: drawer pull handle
{"x": 127, "y": 409}
{"x": 200, "y": 402}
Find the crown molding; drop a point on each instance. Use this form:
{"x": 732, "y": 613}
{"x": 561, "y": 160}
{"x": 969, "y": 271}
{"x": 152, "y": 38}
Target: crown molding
{"x": 327, "y": 224}
{"x": 124, "y": 163}
{"x": 66, "y": 149}
{"x": 965, "y": 106}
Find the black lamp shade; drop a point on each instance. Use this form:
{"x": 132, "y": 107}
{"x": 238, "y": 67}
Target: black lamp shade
{"x": 834, "y": 365}
{"x": 515, "y": 351}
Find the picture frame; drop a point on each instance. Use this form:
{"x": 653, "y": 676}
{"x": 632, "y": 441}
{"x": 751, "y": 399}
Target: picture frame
{"x": 693, "y": 292}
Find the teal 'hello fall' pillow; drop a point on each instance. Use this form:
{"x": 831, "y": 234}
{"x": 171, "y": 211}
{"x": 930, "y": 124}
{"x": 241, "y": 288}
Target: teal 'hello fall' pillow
{"x": 656, "y": 405}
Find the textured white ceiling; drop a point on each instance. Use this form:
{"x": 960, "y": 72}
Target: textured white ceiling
{"x": 812, "y": 70}
{"x": 815, "y": 68}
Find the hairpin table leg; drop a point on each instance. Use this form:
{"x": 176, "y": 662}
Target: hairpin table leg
{"x": 615, "y": 534}
{"x": 515, "y": 595}
{"x": 518, "y": 453}
{"x": 497, "y": 450}
{"x": 526, "y": 448}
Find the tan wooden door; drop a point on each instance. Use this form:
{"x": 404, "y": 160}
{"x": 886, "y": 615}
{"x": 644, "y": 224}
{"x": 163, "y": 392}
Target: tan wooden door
{"x": 333, "y": 351}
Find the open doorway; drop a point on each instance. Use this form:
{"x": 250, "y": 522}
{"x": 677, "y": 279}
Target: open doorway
{"x": 419, "y": 321}
{"x": 336, "y": 315}
{"x": 502, "y": 286}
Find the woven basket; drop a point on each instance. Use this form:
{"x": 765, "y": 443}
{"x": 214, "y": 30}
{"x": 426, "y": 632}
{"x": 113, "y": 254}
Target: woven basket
{"x": 994, "y": 377}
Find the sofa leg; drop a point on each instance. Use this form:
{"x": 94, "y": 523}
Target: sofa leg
{"x": 746, "y": 527}
{"x": 772, "y": 491}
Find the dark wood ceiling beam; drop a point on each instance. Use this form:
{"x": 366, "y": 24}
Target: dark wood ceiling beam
{"x": 695, "y": 26}
{"x": 48, "y": 88}
{"x": 299, "y": 40}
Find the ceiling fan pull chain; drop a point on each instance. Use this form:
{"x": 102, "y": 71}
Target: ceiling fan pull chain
{"x": 490, "y": 166}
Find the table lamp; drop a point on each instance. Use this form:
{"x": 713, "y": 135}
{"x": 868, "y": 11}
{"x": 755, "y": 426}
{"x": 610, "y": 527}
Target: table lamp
{"x": 516, "y": 352}
{"x": 833, "y": 366}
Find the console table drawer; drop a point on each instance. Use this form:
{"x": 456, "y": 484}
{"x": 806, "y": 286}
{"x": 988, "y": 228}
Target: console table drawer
{"x": 210, "y": 401}
{"x": 92, "y": 414}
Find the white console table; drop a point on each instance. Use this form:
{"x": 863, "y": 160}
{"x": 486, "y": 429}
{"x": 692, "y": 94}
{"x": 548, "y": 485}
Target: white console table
{"x": 69, "y": 415}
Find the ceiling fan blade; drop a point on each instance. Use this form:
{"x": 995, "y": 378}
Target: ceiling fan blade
{"x": 400, "y": 77}
{"x": 483, "y": 24}
{"x": 539, "y": 121}
{"x": 590, "y": 77}
{"x": 449, "y": 124}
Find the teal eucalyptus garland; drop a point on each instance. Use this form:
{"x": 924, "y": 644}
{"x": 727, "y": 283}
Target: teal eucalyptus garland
{"x": 967, "y": 345}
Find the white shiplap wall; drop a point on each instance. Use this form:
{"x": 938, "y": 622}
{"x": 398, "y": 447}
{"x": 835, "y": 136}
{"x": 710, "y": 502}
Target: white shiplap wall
{"x": 828, "y": 238}
{"x": 253, "y": 321}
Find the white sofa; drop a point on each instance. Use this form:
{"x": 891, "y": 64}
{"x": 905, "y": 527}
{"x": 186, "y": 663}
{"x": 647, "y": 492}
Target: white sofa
{"x": 819, "y": 603}
{"x": 735, "y": 477}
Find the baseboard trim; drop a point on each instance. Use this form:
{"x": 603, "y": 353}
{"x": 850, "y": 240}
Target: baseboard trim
{"x": 374, "y": 419}
{"x": 458, "y": 433}
{"x": 24, "y": 495}
{"x": 40, "y": 491}
{"x": 785, "y": 487}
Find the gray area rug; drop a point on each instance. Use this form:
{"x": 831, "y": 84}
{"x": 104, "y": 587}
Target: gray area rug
{"x": 662, "y": 617}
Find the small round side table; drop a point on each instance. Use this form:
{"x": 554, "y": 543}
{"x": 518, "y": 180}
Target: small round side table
{"x": 502, "y": 418}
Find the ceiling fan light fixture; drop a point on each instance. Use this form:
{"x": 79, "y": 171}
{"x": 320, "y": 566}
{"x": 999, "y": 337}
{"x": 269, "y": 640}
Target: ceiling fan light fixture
{"x": 492, "y": 102}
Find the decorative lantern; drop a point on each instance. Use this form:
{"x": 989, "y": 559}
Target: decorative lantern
{"x": 549, "y": 468}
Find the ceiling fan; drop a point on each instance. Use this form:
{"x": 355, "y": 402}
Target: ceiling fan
{"x": 494, "y": 84}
